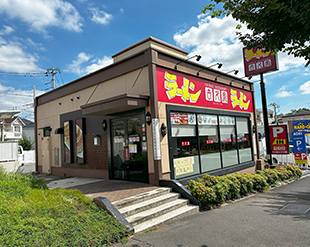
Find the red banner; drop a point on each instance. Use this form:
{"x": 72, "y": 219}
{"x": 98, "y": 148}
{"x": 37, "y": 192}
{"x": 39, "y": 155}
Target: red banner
{"x": 258, "y": 61}
{"x": 175, "y": 87}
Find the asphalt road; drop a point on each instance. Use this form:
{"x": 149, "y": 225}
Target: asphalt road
{"x": 275, "y": 218}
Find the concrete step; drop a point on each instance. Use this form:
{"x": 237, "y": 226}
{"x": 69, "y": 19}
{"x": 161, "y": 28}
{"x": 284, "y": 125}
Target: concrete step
{"x": 147, "y": 204}
{"x": 182, "y": 212}
{"x": 156, "y": 211}
{"x": 141, "y": 197}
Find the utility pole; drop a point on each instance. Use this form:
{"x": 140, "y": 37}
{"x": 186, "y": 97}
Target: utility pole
{"x": 275, "y": 107}
{"x": 52, "y": 72}
{"x": 265, "y": 116}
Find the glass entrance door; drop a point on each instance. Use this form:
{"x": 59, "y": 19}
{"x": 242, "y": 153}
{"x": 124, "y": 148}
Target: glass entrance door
{"x": 129, "y": 158}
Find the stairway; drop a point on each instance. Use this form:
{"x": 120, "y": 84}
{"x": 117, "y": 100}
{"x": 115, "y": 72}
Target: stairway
{"x": 154, "y": 208}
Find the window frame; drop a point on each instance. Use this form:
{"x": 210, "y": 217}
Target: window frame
{"x": 223, "y": 170}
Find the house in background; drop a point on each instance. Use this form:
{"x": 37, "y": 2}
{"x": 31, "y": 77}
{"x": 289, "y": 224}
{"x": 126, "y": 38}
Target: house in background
{"x": 28, "y": 129}
{"x": 260, "y": 116}
{"x": 11, "y": 126}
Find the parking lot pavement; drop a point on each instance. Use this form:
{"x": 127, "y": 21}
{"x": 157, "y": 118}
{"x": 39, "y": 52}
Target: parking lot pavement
{"x": 277, "y": 218}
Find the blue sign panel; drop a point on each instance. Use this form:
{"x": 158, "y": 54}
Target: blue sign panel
{"x": 299, "y": 142}
{"x": 301, "y": 125}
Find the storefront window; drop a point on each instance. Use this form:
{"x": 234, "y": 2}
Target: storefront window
{"x": 184, "y": 144}
{"x": 209, "y": 142}
{"x": 228, "y": 141}
{"x": 244, "y": 143}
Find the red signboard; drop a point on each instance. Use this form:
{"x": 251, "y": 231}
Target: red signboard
{"x": 301, "y": 158}
{"x": 257, "y": 61}
{"x": 175, "y": 87}
{"x": 126, "y": 154}
{"x": 279, "y": 139}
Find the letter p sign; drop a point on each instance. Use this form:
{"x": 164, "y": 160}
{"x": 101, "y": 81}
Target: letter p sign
{"x": 277, "y": 130}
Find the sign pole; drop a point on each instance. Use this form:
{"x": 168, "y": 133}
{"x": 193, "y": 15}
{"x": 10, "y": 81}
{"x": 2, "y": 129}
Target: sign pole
{"x": 265, "y": 116}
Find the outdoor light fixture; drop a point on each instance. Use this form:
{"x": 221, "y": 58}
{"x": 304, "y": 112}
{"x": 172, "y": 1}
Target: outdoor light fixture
{"x": 163, "y": 129}
{"x": 219, "y": 65}
{"x": 148, "y": 118}
{"x": 104, "y": 125}
{"x": 197, "y": 59}
{"x": 234, "y": 70}
{"x": 97, "y": 140}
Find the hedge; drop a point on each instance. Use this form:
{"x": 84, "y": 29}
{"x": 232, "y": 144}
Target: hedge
{"x": 213, "y": 191}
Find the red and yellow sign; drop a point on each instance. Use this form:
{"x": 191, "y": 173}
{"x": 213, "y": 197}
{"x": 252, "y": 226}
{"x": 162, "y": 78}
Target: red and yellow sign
{"x": 301, "y": 158}
{"x": 257, "y": 61}
{"x": 279, "y": 139}
{"x": 174, "y": 87}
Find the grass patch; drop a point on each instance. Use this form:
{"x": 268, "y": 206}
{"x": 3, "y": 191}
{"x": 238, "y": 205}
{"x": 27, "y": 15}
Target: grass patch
{"x": 32, "y": 215}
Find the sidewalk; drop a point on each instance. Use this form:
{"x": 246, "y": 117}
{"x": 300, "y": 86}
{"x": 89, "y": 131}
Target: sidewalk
{"x": 114, "y": 190}
{"x": 278, "y": 218}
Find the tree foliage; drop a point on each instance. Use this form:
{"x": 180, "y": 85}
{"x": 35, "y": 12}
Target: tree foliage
{"x": 294, "y": 111}
{"x": 26, "y": 143}
{"x": 277, "y": 25}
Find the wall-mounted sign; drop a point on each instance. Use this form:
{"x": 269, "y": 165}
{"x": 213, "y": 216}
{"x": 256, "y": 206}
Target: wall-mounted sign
{"x": 156, "y": 139}
{"x": 178, "y": 88}
{"x": 257, "y": 61}
{"x": 279, "y": 139}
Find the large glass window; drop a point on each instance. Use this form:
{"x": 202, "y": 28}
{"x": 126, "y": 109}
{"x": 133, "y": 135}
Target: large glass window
{"x": 201, "y": 143}
{"x": 228, "y": 141}
{"x": 184, "y": 144}
{"x": 244, "y": 142}
{"x": 209, "y": 142}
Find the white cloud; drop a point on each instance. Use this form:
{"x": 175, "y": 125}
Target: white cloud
{"x": 216, "y": 41}
{"x": 41, "y": 14}
{"x": 6, "y": 30}
{"x": 282, "y": 93}
{"x": 100, "y": 16}
{"x": 305, "y": 88}
{"x": 77, "y": 66}
{"x": 14, "y": 59}
{"x": 22, "y": 100}
{"x": 121, "y": 10}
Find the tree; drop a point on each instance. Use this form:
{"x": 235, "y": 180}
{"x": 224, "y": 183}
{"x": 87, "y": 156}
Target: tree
{"x": 276, "y": 25}
{"x": 294, "y": 111}
{"x": 26, "y": 143}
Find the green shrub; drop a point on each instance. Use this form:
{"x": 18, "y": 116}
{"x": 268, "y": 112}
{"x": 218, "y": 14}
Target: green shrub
{"x": 213, "y": 191}
{"x": 246, "y": 184}
{"x": 271, "y": 176}
{"x": 233, "y": 186}
{"x": 209, "y": 180}
{"x": 259, "y": 182}
{"x": 284, "y": 174}
{"x": 297, "y": 173}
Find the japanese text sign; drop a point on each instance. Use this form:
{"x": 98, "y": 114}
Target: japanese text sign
{"x": 174, "y": 87}
{"x": 257, "y": 61}
{"x": 299, "y": 142}
{"x": 279, "y": 139}
{"x": 301, "y": 158}
{"x": 301, "y": 125}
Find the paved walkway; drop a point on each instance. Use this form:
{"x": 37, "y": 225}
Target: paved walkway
{"x": 114, "y": 190}
{"x": 278, "y": 218}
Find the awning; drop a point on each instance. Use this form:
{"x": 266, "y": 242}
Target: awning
{"x": 117, "y": 104}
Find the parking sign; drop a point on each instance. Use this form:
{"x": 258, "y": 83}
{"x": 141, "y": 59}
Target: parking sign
{"x": 279, "y": 139}
{"x": 299, "y": 142}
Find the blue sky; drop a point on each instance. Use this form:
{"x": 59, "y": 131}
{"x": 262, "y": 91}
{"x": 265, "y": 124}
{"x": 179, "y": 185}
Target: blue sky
{"x": 81, "y": 36}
